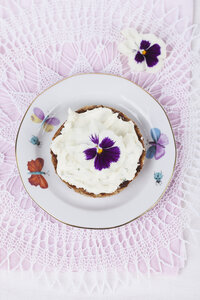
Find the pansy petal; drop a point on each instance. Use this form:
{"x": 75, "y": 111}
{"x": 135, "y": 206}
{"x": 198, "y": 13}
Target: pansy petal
{"x": 111, "y": 154}
{"x": 157, "y": 67}
{"x": 101, "y": 162}
{"x": 132, "y": 37}
{"x": 144, "y": 44}
{"x": 151, "y": 56}
{"x": 154, "y": 50}
{"x": 135, "y": 66}
{"x": 163, "y": 49}
{"x": 90, "y": 153}
{"x": 106, "y": 143}
{"x": 94, "y": 138}
{"x": 139, "y": 57}
{"x": 127, "y": 47}
{"x": 129, "y": 33}
{"x": 151, "y": 60}
{"x": 155, "y": 40}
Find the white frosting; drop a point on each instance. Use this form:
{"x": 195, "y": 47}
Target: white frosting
{"x": 75, "y": 138}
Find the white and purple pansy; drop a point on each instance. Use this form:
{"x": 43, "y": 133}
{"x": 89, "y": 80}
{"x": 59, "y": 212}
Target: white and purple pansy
{"x": 145, "y": 52}
{"x": 104, "y": 153}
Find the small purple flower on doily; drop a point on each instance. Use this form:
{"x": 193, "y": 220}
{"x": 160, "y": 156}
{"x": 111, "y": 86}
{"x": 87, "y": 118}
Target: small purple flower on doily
{"x": 148, "y": 52}
{"x": 103, "y": 153}
{"x": 145, "y": 51}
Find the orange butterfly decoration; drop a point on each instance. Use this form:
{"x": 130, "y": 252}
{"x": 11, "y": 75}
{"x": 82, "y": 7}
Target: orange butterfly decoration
{"x": 37, "y": 178}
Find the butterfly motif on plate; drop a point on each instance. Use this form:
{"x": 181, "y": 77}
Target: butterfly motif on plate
{"x": 35, "y": 170}
{"x": 47, "y": 122}
{"x": 157, "y": 148}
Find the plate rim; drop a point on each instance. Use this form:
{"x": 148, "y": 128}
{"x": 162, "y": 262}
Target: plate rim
{"x": 101, "y": 228}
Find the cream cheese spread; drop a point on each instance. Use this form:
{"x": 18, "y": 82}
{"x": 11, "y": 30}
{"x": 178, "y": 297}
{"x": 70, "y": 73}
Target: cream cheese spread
{"x": 75, "y": 138}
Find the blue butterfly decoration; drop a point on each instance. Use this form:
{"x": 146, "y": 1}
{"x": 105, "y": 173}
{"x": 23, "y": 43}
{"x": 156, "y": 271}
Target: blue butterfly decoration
{"x": 157, "y": 148}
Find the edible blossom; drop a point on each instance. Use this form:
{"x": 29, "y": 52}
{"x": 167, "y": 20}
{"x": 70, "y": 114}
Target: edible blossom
{"x": 104, "y": 153}
{"x": 145, "y": 52}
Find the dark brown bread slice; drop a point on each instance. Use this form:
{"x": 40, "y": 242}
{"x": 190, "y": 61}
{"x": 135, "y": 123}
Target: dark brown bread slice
{"x": 124, "y": 184}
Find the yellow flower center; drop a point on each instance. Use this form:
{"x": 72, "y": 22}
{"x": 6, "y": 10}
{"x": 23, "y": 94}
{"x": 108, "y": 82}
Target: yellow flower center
{"x": 99, "y": 150}
{"x": 144, "y": 52}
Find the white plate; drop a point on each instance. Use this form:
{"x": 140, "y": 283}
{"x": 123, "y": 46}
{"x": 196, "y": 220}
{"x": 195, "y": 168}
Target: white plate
{"x": 65, "y": 204}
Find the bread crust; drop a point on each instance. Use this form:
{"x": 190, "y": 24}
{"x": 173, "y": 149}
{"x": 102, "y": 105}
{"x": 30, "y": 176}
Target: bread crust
{"x": 124, "y": 184}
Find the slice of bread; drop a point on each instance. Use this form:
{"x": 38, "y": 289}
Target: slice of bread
{"x": 124, "y": 184}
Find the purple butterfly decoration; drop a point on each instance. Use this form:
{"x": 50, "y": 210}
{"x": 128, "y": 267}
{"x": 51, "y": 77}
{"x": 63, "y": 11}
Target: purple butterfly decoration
{"x": 157, "y": 148}
{"x": 47, "y": 122}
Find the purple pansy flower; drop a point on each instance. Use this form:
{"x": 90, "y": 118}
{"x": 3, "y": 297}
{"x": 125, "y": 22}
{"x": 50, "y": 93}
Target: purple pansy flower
{"x": 103, "y": 153}
{"x": 148, "y": 52}
{"x": 145, "y": 51}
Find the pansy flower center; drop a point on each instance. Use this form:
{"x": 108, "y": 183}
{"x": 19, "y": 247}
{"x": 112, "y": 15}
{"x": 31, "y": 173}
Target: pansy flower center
{"x": 99, "y": 150}
{"x": 103, "y": 153}
{"x": 144, "y": 52}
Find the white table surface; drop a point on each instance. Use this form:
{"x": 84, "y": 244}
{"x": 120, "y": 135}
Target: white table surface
{"x": 185, "y": 286}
